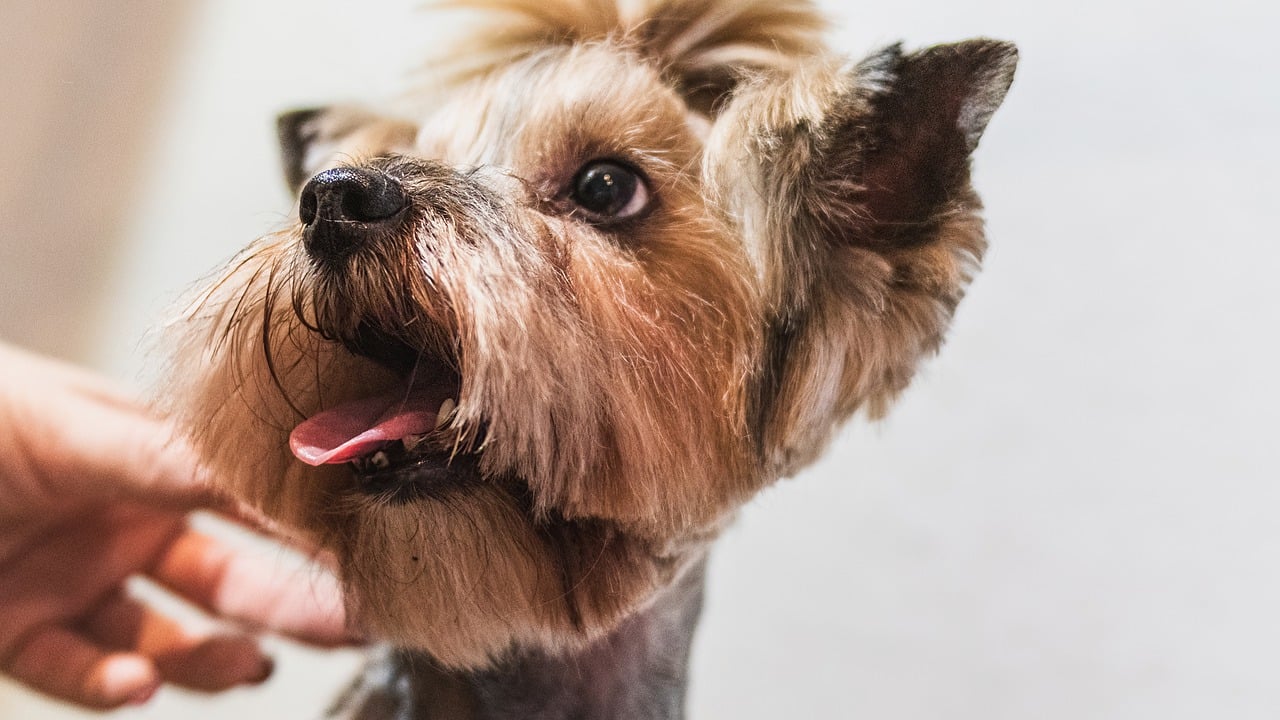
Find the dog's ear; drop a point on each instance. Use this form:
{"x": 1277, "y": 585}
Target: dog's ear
{"x": 851, "y": 185}
{"x": 311, "y": 138}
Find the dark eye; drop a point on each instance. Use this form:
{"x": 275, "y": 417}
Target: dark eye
{"x": 610, "y": 191}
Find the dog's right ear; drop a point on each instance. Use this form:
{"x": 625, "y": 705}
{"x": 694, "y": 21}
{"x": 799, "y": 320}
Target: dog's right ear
{"x": 850, "y": 183}
{"x": 311, "y": 139}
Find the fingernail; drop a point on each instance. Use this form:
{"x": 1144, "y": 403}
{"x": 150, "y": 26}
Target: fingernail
{"x": 265, "y": 672}
{"x": 143, "y": 696}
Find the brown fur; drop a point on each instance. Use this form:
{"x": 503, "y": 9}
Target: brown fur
{"x": 811, "y": 233}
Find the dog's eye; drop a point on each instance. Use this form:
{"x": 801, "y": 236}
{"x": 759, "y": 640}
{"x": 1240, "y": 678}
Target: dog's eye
{"x": 608, "y": 191}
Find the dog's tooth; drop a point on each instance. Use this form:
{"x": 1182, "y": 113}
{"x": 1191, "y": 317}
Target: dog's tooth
{"x": 445, "y": 412}
{"x": 380, "y": 460}
{"x": 412, "y": 442}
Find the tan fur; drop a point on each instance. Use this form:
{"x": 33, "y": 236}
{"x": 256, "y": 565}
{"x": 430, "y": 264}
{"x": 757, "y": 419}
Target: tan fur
{"x": 623, "y": 390}
{"x": 700, "y": 47}
{"x": 868, "y": 313}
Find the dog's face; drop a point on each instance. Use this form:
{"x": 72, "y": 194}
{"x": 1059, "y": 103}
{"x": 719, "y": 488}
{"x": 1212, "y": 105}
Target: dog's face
{"x": 520, "y": 357}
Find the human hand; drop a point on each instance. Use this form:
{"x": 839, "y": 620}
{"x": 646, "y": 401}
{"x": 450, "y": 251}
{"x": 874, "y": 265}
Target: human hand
{"x": 93, "y": 489}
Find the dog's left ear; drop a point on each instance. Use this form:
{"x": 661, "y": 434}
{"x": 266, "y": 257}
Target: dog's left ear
{"x": 310, "y": 139}
{"x": 851, "y": 185}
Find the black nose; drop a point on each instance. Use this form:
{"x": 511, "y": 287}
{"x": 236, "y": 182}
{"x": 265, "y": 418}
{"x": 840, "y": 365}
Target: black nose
{"x": 343, "y": 207}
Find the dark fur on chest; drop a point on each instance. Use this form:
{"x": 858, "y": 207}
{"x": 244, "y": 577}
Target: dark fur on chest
{"x": 637, "y": 672}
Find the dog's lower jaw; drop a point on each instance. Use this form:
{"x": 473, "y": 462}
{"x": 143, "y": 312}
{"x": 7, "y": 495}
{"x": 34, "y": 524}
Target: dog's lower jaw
{"x": 636, "y": 672}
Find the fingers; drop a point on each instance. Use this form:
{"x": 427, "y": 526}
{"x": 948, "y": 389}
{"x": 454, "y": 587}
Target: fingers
{"x": 124, "y": 454}
{"x": 199, "y": 662}
{"x": 303, "y": 601}
{"x": 60, "y": 663}
{"x": 74, "y": 435}
{"x": 123, "y": 652}
{"x": 61, "y": 575}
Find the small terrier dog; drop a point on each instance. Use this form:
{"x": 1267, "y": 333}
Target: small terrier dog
{"x": 522, "y": 354}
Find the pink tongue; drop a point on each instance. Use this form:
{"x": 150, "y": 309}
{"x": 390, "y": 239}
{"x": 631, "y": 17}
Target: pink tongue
{"x": 358, "y": 428}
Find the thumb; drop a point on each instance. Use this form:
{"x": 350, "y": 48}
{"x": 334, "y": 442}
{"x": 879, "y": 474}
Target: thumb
{"x": 68, "y": 435}
{"x": 84, "y": 444}
{"x": 143, "y": 459}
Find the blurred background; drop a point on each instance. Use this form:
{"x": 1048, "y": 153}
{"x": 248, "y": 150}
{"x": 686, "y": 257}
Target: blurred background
{"x": 1072, "y": 513}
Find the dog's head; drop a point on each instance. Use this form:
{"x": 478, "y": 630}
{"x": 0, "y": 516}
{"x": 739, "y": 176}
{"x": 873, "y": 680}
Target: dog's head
{"x": 520, "y": 356}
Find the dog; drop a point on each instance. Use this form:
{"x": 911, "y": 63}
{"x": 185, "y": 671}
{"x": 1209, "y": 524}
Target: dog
{"x": 533, "y": 337}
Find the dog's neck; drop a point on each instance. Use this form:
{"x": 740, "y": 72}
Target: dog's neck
{"x": 637, "y": 672}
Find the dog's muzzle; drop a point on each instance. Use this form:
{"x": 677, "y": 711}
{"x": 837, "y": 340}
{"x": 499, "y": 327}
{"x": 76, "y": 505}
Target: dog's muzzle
{"x": 343, "y": 208}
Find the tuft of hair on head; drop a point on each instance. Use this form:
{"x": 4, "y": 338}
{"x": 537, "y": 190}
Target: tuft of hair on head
{"x": 702, "y": 47}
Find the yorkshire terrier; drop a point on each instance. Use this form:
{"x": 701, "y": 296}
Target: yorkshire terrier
{"x": 522, "y": 354}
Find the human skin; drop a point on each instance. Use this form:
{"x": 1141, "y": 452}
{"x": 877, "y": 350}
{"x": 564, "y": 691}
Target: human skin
{"x": 94, "y": 489}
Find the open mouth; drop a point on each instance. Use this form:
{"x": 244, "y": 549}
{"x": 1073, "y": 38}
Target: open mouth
{"x": 400, "y": 444}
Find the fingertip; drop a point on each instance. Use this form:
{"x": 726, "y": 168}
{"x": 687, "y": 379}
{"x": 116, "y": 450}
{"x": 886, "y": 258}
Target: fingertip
{"x": 66, "y": 665}
{"x": 172, "y": 472}
{"x": 321, "y": 614}
{"x": 264, "y": 673}
{"x": 122, "y": 679}
{"x": 219, "y": 663}
{"x": 143, "y": 696}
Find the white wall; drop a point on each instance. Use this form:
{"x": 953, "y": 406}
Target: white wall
{"x": 1069, "y": 515}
